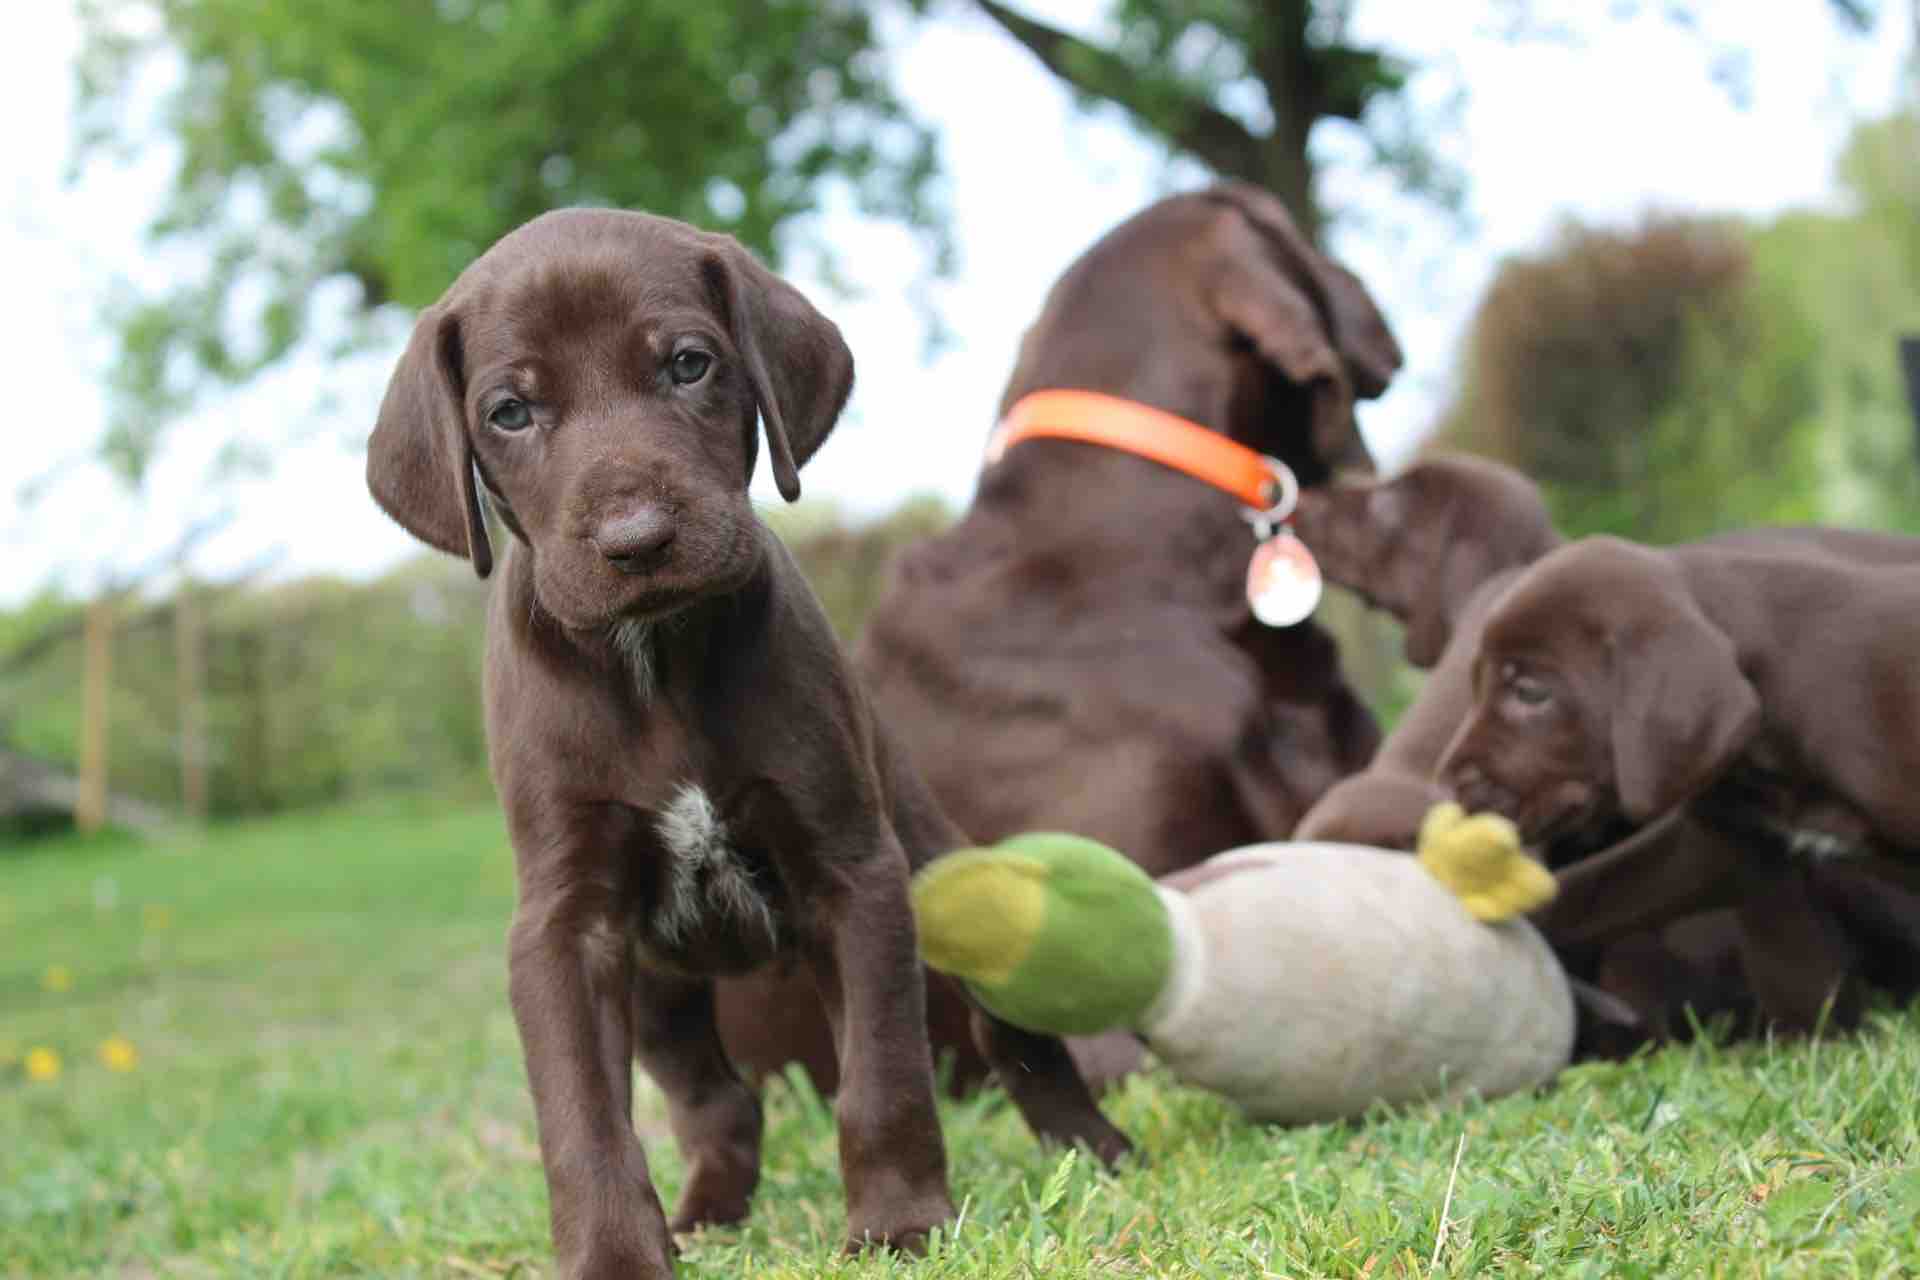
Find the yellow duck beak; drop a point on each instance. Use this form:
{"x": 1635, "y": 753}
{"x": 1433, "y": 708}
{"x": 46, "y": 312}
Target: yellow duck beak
{"x": 1480, "y": 859}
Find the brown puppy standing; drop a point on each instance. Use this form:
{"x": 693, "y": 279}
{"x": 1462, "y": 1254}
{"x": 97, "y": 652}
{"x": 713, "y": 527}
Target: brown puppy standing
{"x": 1767, "y": 693}
{"x": 693, "y": 781}
{"x": 1077, "y": 653}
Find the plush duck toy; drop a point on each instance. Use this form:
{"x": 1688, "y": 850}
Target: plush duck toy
{"x": 1303, "y": 981}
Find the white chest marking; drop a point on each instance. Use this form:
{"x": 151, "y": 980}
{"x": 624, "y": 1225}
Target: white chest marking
{"x": 707, "y": 877}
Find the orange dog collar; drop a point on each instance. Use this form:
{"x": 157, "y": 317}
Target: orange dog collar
{"x": 1265, "y": 485}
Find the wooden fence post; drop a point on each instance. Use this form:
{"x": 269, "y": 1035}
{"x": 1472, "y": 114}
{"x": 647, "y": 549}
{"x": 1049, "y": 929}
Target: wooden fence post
{"x": 1910, "y": 349}
{"x": 90, "y": 805}
{"x": 190, "y": 665}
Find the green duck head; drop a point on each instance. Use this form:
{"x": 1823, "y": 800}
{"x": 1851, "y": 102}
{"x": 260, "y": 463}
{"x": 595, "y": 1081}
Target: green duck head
{"x": 1053, "y": 932}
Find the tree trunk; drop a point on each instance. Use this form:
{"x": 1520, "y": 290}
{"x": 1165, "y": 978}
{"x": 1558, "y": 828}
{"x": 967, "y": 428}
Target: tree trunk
{"x": 1283, "y": 60}
{"x": 1285, "y": 64}
{"x": 90, "y": 804}
{"x": 1289, "y": 175}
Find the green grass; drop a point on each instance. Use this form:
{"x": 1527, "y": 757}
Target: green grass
{"x": 329, "y": 1084}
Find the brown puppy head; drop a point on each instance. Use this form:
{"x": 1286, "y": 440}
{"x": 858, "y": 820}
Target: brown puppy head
{"x": 598, "y": 374}
{"x": 1213, "y": 305}
{"x": 1306, "y": 315}
{"x": 1601, "y": 691}
{"x": 1420, "y": 544}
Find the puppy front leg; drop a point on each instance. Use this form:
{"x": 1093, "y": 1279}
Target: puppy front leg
{"x": 716, "y": 1118}
{"x": 569, "y": 987}
{"x": 860, "y": 945}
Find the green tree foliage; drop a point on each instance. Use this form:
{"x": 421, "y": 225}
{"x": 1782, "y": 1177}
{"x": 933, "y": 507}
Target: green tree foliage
{"x": 1240, "y": 85}
{"x": 1855, "y": 277}
{"x": 381, "y": 146}
{"x": 1690, "y": 375}
{"x": 1615, "y": 369}
{"x": 388, "y": 143}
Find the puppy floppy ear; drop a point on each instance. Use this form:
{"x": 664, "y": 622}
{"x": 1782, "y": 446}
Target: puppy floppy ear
{"x": 1312, "y": 318}
{"x": 1455, "y": 545}
{"x": 1373, "y": 537}
{"x": 420, "y": 465}
{"x": 1411, "y": 544}
{"x": 1682, "y": 710}
{"x": 798, "y": 364}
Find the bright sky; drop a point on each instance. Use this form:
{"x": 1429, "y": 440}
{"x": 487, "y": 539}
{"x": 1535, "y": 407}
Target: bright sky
{"x": 1629, "y": 121}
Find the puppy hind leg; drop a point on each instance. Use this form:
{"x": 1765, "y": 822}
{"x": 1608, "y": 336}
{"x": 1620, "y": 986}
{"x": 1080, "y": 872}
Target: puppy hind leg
{"x": 1046, "y": 1085}
{"x": 715, "y": 1116}
{"x": 1796, "y": 955}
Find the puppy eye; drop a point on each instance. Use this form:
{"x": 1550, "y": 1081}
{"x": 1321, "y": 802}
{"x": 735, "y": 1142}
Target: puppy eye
{"x": 1532, "y": 692}
{"x": 690, "y": 366}
{"x": 1526, "y": 689}
{"x": 511, "y": 415}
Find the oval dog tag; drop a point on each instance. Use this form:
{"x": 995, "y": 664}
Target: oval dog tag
{"x": 1283, "y": 582}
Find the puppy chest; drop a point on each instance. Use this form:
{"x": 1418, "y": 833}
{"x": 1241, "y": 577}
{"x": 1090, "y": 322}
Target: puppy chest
{"x": 716, "y": 905}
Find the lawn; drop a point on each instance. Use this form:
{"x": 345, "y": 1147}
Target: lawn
{"x": 313, "y": 1072}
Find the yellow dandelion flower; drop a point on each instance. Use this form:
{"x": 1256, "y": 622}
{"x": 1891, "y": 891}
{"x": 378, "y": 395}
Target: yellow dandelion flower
{"x": 43, "y": 1064}
{"x": 118, "y": 1053}
{"x": 57, "y": 978}
{"x": 156, "y": 917}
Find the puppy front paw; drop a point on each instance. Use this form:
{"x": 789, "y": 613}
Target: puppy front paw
{"x": 631, "y": 1245}
{"x": 623, "y": 1264}
{"x": 902, "y": 1226}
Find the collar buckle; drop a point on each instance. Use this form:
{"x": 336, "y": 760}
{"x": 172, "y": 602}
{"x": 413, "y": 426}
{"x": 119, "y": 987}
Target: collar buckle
{"x": 1283, "y": 487}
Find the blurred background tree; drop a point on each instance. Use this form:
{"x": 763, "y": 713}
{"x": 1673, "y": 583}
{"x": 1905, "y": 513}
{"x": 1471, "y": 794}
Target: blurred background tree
{"x": 1241, "y": 86}
{"x": 1855, "y": 276}
{"x": 381, "y": 147}
{"x": 1695, "y": 374}
{"x": 1600, "y": 368}
{"x": 388, "y": 144}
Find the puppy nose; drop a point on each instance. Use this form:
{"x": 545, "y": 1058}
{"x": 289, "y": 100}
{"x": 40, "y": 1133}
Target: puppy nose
{"x": 636, "y": 541}
{"x": 1468, "y": 784}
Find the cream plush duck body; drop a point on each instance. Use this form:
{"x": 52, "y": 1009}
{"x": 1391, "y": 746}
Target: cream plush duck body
{"x": 1303, "y": 981}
